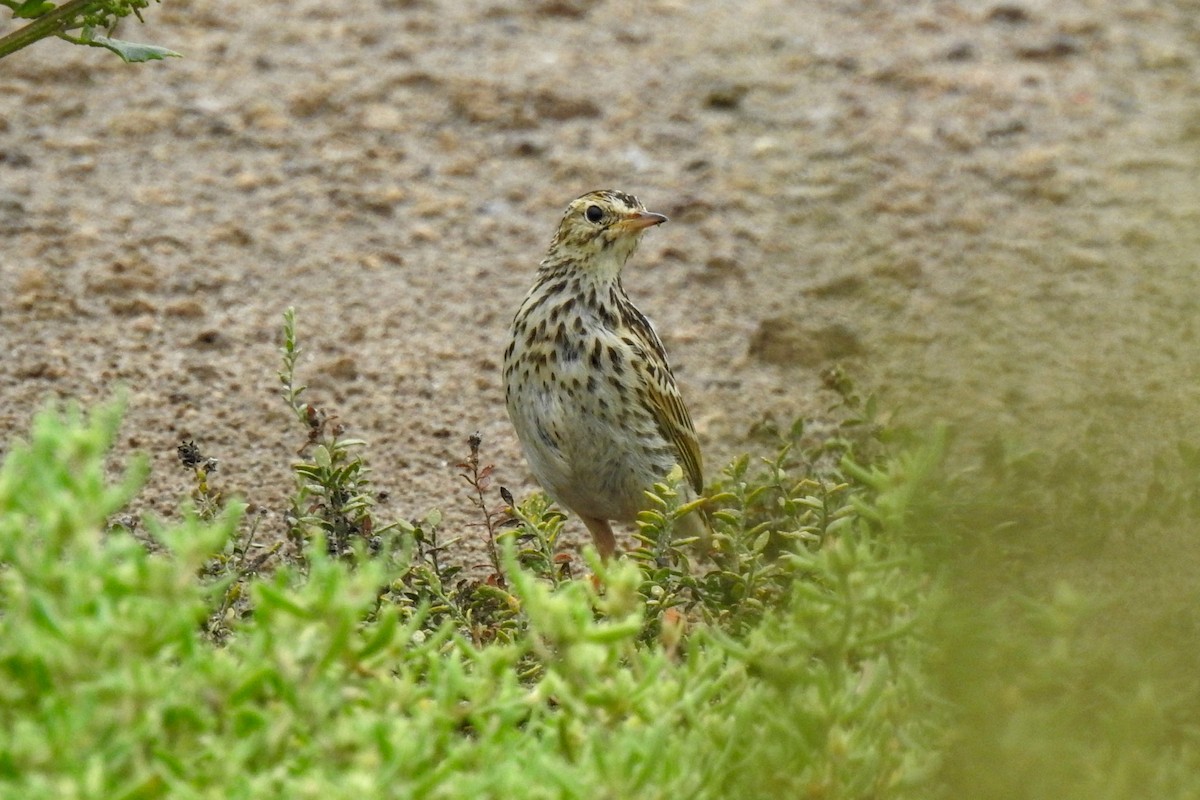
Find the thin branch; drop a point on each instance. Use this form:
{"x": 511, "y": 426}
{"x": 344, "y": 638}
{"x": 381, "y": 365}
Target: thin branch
{"x": 51, "y": 23}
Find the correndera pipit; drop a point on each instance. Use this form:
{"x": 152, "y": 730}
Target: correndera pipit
{"x": 586, "y": 379}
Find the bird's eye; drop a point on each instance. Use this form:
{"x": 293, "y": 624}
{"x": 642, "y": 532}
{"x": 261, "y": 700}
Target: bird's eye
{"x": 594, "y": 214}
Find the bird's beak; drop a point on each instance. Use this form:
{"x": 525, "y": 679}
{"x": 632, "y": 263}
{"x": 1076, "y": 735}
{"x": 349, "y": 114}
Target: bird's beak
{"x": 643, "y": 219}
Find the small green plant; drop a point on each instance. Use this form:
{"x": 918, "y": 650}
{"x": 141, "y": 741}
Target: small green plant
{"x": 765, "y": 520}
{"x": 235, "y": 564}
{"x": 82, "y": 22}
{"x": 206, "y": 497}
{"x": 334, "y": 496}
{"x": 479, "y": 477}
{"x": 334, "y": 503}
{"x": 536, "y": 526}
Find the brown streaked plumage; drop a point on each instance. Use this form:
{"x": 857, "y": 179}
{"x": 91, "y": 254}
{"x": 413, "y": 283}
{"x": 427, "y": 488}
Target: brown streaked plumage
{"x": 586, "y": 378}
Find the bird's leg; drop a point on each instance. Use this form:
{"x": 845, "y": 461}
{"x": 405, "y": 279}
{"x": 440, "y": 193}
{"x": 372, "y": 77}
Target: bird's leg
{"x": 602, "y": 535}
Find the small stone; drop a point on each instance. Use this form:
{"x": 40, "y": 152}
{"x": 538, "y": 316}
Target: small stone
{"x": 423, "y": 233}
{"x": 1164, "y": 56}
{"x": 34, "y": 281}
{"x": 211, "y": 339}
{"x": 204, "y": 373}
{"x": 157, "y": 196}
{"x": 140, "y": 121}
{"x": 144, "y": 323}
{"x": 343, "y": 368}
{"x": 1082, "y": 258}
{"x": 264, "y": 116}
{"x": 15, "y": 158}
{"x": 184, "y": 309}
{"x": 843, "y": 286}
{"x": 1010, "y": 13}
{"x": 718, "y": 269}
{"x": 528, "y": 148}
{"x": 1005, "y": 128}
{"x": 247, "y": 181}
{"x": 726, "y": 96}
{"x": 382, "y": 117}
{"x": 1052, "y": 49}
{"x": 38, "y": 369}
{"x": 1036, "y": 162}
{"x": 123, "y": 278}
{"x": 549, "y": 105}
{"x": 492, "y": 104}
{"x": 765, "y": 145}
{"x": 962, "y": 51}
{"x": 311, "y": 101}
{"x": 571, "y": 9}
{"x": 1139, "y": 236}
{"x": 958, "y": 136}
{"x": 232, "y": 234}
{"x": 970, "y": 222}
{"x": 130, "y": 307}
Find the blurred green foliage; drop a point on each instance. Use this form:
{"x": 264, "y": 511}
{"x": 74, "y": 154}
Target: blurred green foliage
{"x": 1069, "y": 641}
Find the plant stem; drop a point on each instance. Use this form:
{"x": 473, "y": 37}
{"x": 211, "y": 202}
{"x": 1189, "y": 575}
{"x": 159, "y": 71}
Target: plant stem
{"x": 49, "y": 24}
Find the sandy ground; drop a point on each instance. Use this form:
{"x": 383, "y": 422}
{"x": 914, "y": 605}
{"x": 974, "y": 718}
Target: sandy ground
{"x": 988, "y": 211}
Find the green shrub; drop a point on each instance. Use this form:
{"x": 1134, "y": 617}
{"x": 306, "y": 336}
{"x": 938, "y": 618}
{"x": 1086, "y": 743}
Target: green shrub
{"x": 336, "y": 684}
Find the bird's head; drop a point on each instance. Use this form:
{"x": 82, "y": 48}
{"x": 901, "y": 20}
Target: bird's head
{"x": 600, "y": 230}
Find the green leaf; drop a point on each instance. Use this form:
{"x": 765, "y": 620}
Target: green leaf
{"x": 275, "y": 597}
{"x": 761, "y": 541}
{"x": 132, "y": 52}
{"x": 321, "y": 457}
{"x": 382, "y": 636}
{"x": 31, "y": 9}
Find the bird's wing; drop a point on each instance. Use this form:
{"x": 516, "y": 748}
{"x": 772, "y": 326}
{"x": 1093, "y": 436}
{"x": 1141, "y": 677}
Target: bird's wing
{"x": 676, "y": 426}
{"x": 666, "y": 404}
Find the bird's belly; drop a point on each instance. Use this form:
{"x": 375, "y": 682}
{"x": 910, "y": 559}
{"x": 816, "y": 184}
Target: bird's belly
{"x": 592, "y": 451}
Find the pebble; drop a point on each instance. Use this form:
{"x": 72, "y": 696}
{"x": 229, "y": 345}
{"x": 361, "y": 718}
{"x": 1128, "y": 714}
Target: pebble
{"x": 184, "y": 309}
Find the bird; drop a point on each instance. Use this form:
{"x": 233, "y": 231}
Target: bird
{"x": 587, "y": 383}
